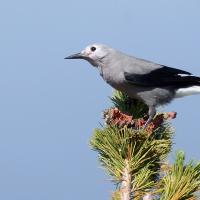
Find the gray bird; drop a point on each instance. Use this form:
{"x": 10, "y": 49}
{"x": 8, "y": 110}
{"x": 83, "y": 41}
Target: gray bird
{"x": 152, "y": 83}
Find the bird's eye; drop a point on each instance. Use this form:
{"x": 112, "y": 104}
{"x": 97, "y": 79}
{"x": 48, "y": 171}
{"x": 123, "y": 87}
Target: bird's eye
{"x": 93, "y": 48}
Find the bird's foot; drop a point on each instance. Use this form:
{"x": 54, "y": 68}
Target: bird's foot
{"x": 152, "y": 124}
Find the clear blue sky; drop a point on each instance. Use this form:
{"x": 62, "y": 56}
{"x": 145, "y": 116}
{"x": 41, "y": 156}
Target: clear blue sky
{"x": 49, "y": 106}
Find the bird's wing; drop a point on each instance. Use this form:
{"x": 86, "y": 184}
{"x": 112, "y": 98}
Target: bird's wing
{"x": 163, "y": 77}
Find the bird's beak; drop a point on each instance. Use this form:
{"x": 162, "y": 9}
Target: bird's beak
{"x": 75, "y": 56}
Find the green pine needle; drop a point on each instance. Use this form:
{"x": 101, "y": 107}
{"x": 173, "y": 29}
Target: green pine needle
{"x": 137, "y": 157}
{"x": 182, "y": 181}
{"x": 143, "y": 152}
{"x": 125, "y": 104}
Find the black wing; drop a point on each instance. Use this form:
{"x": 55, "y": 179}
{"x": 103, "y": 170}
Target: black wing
{"x": 162, "y": 77}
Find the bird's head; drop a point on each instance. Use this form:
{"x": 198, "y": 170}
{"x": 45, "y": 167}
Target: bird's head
{"x": 95, "y": 54}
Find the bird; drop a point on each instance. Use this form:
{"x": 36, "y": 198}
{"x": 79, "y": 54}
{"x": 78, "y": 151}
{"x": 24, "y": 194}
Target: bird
{"x": 153, "y": 84}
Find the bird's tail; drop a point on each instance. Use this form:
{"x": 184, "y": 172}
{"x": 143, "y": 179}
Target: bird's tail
{"x": 187, "y": 91}
{"x": 188, "y": 85}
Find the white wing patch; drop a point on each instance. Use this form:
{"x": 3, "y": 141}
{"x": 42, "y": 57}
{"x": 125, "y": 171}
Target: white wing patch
{"x": 182, "y": 75}
{"x": 187, "y": 91}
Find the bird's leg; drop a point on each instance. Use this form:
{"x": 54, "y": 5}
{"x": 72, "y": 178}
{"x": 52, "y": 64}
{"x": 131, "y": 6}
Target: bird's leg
{"x": 151, "y": 112}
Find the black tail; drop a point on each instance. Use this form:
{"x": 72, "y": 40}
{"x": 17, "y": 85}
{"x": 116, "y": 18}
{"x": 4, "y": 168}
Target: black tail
{"x": 187, "y": 81}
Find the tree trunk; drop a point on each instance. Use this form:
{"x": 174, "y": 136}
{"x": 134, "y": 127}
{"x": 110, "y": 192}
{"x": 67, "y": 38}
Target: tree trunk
{"x": 126, "y": 183}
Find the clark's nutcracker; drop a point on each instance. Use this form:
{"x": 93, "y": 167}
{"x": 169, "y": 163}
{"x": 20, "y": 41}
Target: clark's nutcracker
{"x": 152, "y": 83}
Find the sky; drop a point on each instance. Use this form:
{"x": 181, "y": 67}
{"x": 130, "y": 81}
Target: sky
{"x": 49, "y": 106}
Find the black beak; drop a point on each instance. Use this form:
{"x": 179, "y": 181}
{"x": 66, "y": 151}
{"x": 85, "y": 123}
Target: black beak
{"x": 75, "y": 56}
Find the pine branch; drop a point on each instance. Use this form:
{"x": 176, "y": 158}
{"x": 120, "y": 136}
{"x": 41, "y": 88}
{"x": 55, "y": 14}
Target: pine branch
{"x": 136, "y": 158}
{"x": 126, "y": 182}
{"x": 142, "y": 153}
{"x": 130, "y": 106}
{"x": 181, "y": 181}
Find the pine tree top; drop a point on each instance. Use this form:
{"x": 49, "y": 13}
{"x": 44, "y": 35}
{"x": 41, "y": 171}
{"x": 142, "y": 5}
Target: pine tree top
{"x": 135, "y": 157}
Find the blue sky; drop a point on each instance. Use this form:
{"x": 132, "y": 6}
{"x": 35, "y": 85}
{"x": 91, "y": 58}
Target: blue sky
{"x": 49, "y": 106}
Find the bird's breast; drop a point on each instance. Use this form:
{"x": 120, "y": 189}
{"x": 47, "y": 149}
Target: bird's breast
{"x": 112, "y": 77}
